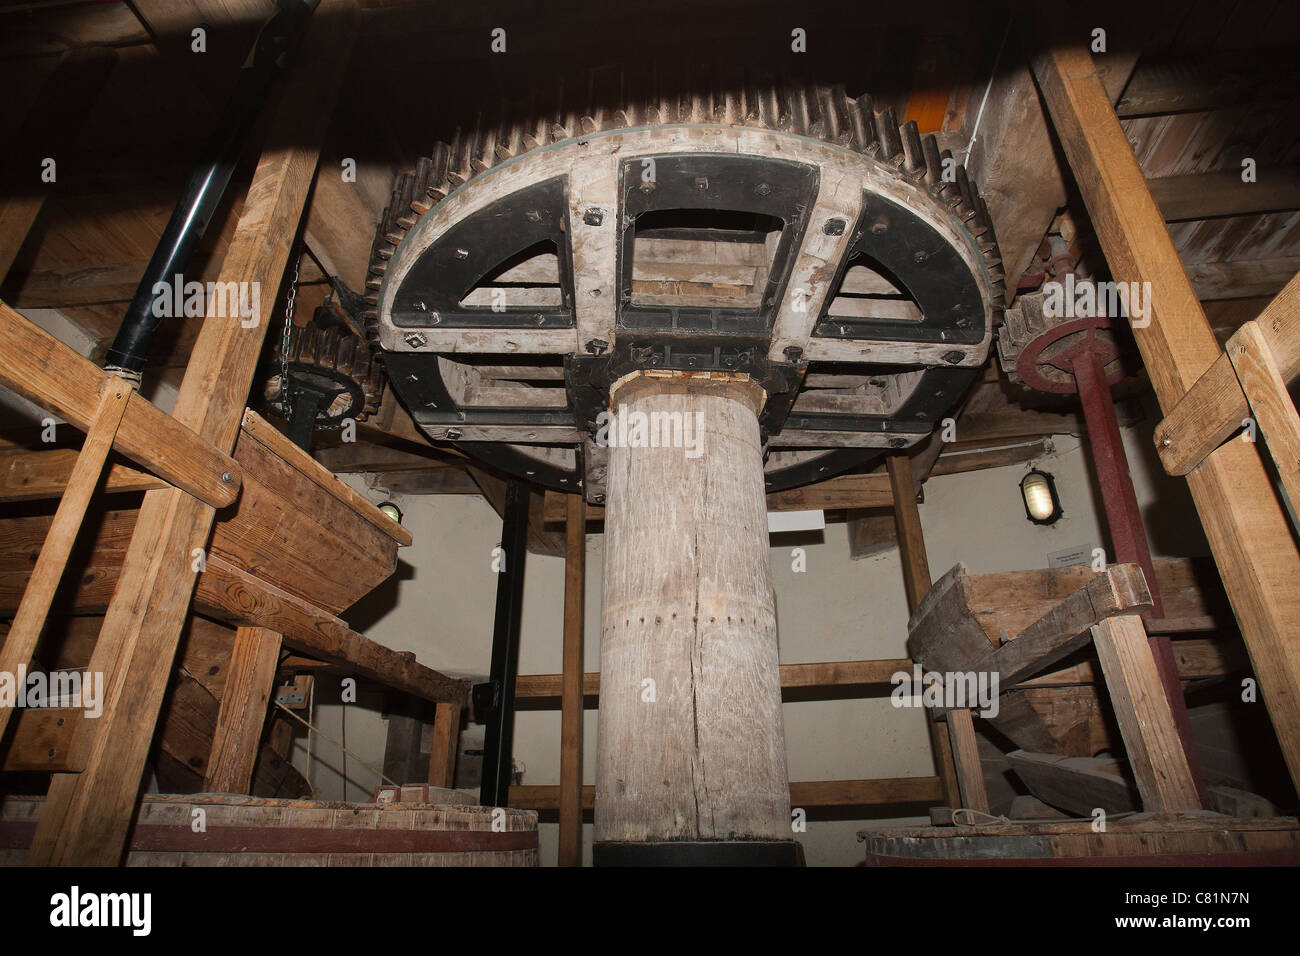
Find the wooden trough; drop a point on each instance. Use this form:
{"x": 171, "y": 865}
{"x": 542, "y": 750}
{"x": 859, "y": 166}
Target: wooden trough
{"x": 251, "y": 831}
{"x": 297, "y": 547}
{"x": 295, "y": 527}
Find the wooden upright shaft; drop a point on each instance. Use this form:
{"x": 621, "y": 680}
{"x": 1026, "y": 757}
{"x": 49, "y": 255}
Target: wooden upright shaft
{"x": 690, "y": 743}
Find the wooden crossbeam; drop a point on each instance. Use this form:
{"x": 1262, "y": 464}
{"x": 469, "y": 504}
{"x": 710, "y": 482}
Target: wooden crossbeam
{"x": 1215, "y": 407}
{"x": 847, "y": 491}
{"x": 886, "y": 791}
{"x": 1208, "y": 195}
{"x": 86, "y": 816}
{"x": 56, "y": 378}
{"x": 1197, "y": 659}
{"x": 37, "y": 475}
{"x": 233, "y": 595}
{"x": 828, "y": 680}
{"x": 1243, "y": 519}
{"x": 25, "y": 632}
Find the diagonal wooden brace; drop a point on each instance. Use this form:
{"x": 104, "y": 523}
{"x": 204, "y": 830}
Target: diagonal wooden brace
{"x": 20, "y": 644}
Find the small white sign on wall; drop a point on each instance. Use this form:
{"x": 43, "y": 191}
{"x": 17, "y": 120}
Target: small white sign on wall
{"x": 1080, "y": 554}
{"x": 795, "y": 521}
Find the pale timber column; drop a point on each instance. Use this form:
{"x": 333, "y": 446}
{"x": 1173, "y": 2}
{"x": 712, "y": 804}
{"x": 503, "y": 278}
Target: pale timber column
{"x": 699, "y": 755}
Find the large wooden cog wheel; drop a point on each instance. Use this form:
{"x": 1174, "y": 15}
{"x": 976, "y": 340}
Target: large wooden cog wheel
{"x": 842, "y": 263}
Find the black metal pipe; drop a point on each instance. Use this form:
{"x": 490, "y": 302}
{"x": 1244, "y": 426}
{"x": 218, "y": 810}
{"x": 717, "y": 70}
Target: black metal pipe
{"x": 203, "y": 192}
{"x": 499, "y": 692}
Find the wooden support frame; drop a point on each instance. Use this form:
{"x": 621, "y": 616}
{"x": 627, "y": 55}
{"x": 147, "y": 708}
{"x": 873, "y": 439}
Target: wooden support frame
{"x": 1198, "y": 659}
{"x": 1243, "y": 519}
{"x": 58, "y": 379}
{"x": 86, "y": 816}
{"x": 1216, "y": 406}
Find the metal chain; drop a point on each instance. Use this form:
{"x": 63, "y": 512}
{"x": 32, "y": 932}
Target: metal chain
{"x": 284, "y": 343}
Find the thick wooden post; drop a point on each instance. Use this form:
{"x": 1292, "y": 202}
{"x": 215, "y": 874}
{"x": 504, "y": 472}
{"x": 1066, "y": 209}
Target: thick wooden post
{"x": 690, "y": 747}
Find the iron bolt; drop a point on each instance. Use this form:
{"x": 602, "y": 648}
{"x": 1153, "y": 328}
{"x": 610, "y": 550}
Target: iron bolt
{"x": 834, "y": 227}
{"x": 593, "y": 216}
{"x": 415, "y": 340}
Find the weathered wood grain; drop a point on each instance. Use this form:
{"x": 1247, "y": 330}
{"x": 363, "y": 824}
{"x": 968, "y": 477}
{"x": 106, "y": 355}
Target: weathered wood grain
{"x": 690, "y": 741}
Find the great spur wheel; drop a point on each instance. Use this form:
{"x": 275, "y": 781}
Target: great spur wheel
{"x": 791, "y": 233}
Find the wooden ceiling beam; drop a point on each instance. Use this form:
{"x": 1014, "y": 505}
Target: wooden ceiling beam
{"x": 1242, "y": 278}
{"x": 1210, "y": 195}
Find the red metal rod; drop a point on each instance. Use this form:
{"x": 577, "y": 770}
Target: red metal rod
{"x": 1127, "y": 534}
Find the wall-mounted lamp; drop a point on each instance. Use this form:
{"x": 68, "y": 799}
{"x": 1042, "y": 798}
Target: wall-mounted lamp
{"x": 1042, "y": 504}
{"x": 392, "y": 511}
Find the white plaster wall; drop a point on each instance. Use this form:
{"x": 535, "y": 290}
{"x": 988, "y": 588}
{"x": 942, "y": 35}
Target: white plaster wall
{"x": 441, "y": 607}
